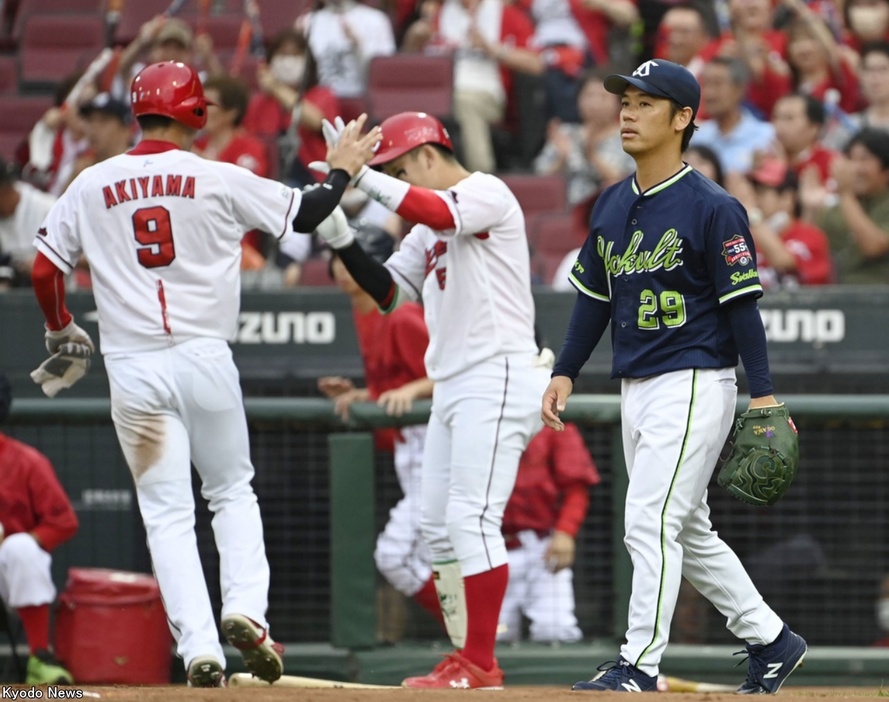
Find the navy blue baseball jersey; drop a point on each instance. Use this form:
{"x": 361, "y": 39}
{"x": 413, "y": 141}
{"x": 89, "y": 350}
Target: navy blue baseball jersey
{"x": 667, "y": 261}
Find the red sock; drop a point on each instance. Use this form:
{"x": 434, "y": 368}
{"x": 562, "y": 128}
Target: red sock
{"x": 35, "y": 620}
{"x": 484, "y": 596}
{"x": 427, "y": 598}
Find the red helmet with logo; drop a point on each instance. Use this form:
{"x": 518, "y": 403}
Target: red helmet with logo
{"x": 406, "y": 131}
{"x": 170, "y": 89}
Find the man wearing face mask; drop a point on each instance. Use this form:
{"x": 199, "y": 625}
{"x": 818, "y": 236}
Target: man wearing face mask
{"x": 290, "y": 104}
{"x": 883, "y": 612}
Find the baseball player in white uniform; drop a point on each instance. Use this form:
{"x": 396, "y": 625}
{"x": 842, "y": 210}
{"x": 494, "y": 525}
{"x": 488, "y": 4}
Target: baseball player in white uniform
{"x": 467, "y": 258}
{"x": 161, "y": 228}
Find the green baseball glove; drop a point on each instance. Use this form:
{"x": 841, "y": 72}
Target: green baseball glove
{"x": 763, "y": 458}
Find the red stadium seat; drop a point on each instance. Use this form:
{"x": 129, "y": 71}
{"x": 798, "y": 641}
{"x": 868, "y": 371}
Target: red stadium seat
{"x": 315, "y": 272}
{"x": 223, "y": 30}
{"x": 538, "y": 193}
{"x": 18, "y": 115}
{"x": 551, "y": 237}
{"x": 410, "y": 82}
{"x": 29, "y": 8}
{"x": 54, "y": 46}
{"x": 9, "y": 80}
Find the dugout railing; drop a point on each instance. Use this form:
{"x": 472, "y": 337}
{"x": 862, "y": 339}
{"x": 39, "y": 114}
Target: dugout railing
{"x": 818, "y": 556}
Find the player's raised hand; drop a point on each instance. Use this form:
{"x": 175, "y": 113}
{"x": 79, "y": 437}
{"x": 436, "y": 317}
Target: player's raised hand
{"x": 352, "y": 150}
{"x": 555, "y": 398}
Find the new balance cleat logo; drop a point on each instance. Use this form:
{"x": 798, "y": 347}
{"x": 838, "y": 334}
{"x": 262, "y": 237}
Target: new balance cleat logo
{"x": 462, "y": 683}
{"x": 773, "y": 670}
{"x": 631, "y": 686}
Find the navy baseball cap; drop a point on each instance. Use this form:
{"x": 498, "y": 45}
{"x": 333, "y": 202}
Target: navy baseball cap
{"x": 105, "y": 103}
{"x": 662, "y": 79}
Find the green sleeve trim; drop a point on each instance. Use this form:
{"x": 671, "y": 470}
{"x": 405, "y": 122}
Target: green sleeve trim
{"x": 750, "y": 289}
{"x": 586, "y": 291}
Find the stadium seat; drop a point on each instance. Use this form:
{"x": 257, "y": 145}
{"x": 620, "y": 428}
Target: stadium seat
{"x": 403, "y": 82}
{"x": 29, "y": 8}
{"x": 538, "y": 193}
{"x": 350, "y": 108}
{"x": 551, "y": 237}
{"x": 275, "y": 15}
{"x": 315, "y": 272}
{"x": 223, "y": 30}
{"x": 18, "y": 114}
{"x": 54, "y": 46}
{"x": 9, "y": 81}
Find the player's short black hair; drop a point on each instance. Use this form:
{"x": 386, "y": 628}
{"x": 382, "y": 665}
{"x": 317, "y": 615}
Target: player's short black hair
{"x": 147, "y": 122}
{"x": 5, "y": 397}
{"x": 876, "y": 141}
{"x": 676, "y": 108}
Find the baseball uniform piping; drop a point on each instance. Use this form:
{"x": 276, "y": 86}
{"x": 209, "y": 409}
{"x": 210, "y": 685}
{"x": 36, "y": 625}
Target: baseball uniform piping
{"x": 660, "y": 594}
{"x": 481, "y": 518}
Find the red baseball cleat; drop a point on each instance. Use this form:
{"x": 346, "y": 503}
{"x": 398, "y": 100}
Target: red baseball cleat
{"x": 457, "y": 672}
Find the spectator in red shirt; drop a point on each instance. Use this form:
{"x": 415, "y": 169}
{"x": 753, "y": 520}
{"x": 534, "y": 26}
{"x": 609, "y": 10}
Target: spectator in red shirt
{"x": 224, "y": 139}
{"x": 35, "y": 517}
{"x": 762, "y": 48}
{"x": 799, "y": 123}
{"x": 290, "y": 105}
{"x": 682, "y": 35}
{"x": 789, "y": 251}
{"x": 818, "y": 66}
{"x": 540, "y": 525}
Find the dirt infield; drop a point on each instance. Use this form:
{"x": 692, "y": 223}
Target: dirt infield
{"x": 270, "y": 694}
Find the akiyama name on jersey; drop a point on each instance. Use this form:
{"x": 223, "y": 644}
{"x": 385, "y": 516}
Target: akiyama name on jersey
{"x": 148, "y": 186}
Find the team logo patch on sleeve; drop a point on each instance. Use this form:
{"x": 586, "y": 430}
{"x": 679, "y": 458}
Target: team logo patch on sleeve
{"x": 735, "y": 251}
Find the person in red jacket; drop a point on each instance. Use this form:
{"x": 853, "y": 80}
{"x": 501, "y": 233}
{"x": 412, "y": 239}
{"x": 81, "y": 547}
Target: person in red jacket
{"x": 548, "y": 505}
{"x": 790, "y": 252}
{"x": 35, "y": 517}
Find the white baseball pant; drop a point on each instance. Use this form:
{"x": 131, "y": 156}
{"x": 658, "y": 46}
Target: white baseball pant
{"x": 172, "y": 408}
{"x": 401, "y": 554}
{"x": 674, "y": 427}
{"x": 544, "y": 597}
{"x": 25, "y": 572}
{"x": 481, "y": 422}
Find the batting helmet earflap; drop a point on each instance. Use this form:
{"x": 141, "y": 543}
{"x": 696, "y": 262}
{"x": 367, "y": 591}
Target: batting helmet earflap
{"x": 406, "y": 131}
{"x": 171, "y": 89}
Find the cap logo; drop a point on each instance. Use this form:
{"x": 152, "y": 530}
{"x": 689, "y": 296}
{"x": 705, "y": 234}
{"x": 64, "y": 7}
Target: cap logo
{"x": 645, "y": 69}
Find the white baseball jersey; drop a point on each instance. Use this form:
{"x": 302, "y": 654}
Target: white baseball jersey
{"x": 474, "y": 280}
{"x": 161, "y": 230}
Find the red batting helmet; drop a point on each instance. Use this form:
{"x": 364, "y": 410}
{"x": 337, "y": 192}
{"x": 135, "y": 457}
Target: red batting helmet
{"x": 406, "y": 131}
{"x": 170, "y": 89}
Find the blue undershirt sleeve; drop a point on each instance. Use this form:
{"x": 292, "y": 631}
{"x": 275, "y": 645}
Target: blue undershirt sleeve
{"x": 750, "y": 338}
{"x": 588, "y": 322}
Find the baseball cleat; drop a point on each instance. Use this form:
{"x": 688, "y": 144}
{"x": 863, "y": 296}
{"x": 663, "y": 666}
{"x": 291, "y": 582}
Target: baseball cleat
{"x": 456, "y": 672}
{"x": 44, "y": 669}
{"x": 619, "y": 676}
{"x": 768, "y": 666}
{"x": 205, "y": 671}
{"x": 261, "y": 655}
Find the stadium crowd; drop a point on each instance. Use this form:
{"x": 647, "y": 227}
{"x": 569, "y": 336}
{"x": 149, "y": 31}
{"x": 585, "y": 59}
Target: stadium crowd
{"x": 794, "y": 116}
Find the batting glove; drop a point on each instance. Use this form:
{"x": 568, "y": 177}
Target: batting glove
{"x": 64, "y": 368}
{"x": 335, "y": 229}
{"x": 71, "y": 333}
